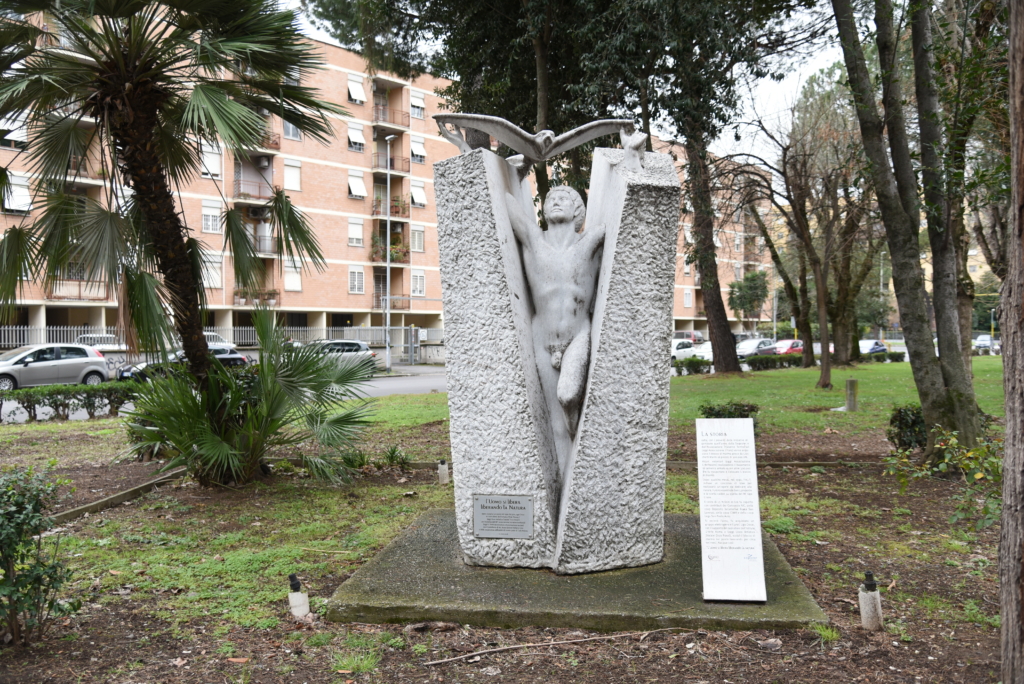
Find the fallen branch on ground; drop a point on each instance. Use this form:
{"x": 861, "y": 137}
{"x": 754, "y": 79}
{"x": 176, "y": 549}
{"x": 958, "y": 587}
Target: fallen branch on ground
{"x": 642, "y": 636}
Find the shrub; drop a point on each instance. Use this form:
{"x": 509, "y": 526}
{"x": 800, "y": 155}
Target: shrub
{"x": 395, "y": 457}
{"x": 31, "y": 572}
{"x": 906, "y": 427}
{"x": 222, "y": 428}
{"x": 896, "y": 357}
{"x": 766, "y": 362}
{"x": 732, "y": 409}
{"x": 696, "y": 366}
{"x": 31, "y": 400}
{"x": 981, "y": 469}
{"x": 354, "y": 459}
{"x": 61, "y": 399}
{"x": 779, "y": 525}
{"x": 879, "y": 357}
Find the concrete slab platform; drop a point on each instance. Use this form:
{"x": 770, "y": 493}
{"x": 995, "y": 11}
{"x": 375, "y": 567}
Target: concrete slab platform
{"x": 420, "y": 576}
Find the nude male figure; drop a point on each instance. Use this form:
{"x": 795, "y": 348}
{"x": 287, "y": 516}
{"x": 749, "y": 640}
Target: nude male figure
{"x": 561, "y": 265}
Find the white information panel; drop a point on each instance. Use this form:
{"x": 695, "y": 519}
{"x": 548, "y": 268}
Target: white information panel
{"x": 502, "y": 516}
{"x": 730, "y": 518}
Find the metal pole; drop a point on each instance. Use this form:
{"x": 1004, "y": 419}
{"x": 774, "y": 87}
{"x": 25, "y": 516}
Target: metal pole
{"x": 387, "y": 277}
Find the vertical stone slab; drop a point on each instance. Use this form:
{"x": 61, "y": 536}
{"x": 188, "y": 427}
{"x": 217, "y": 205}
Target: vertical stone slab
{"x": 499, "y": 438}
{"x": 612, "y": 503}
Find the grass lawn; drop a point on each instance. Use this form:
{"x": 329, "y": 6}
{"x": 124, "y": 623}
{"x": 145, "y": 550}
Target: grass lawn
{"x": 182, "y": 579}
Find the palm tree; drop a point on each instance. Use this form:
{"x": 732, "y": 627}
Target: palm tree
{"x": 140, "y": 86}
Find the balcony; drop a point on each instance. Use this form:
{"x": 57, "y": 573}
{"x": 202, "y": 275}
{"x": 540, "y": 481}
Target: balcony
{"x": 396, "y": 304}
{"x": 390, "y": 117}
{"x": 78, "y": 290}
{"x": 398, "y": 164}
{"x": 399, "y": 252}
{"x": 79, "y": 172}
{"x": 257, "y": 298}
{"x": 252, "y": 191}
{"x": 272, "y": 141}
{"x": 399, "y": 208}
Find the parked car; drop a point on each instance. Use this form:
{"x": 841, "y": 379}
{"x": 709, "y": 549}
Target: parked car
{"x": 52, "y": 364}
{"x": 703, "y": 351}
{"x": 214, "y": 339}
{"x": 789, "y": 347}
{"x": 986, "y": 342}
{"x": 682, "y": 349}
{"x": 754, "y": 347}
{"x": 101, "y": 342}
{"x": 145, "y": 370}
{"x": 872, "y": 347}
{"x": 349, "y": 350}
{"x": 694, "y": 336}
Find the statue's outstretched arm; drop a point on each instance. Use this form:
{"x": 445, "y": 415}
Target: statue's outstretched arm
{"x": 523, "y": 225}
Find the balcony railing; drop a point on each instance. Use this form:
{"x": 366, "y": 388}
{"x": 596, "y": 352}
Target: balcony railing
{"x": 396, "y": 304}
{"x": 399, "y": 207}
{"x": 400, "y": 164}
{"x": 253, "y": 190}
{"x": 78, "y": 290}
{"x": 387, "y": 115}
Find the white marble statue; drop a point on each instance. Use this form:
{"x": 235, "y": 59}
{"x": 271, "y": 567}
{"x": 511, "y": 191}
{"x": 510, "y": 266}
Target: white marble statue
{"x": 561, "y": 264}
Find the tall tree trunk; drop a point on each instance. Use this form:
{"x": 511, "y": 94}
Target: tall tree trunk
{"x": 803, "y": 323}
{"x": 1011, "y": 322}
{"x": 897, "y": 205}
{"x": 723, "y": 344}
{"x": 139, "y": 151}
{"x": 941, "y": 235}
{"x": 541, "y": 44}
{"x": 842, "y": 337}
{"x": 821, "y": 294}
{"x": 645, "y": 113}
{"x": 964, "y": 289}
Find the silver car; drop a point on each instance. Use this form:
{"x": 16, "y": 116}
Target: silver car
{"x": 52, "y": 364}
{"x": 349, "y": 350}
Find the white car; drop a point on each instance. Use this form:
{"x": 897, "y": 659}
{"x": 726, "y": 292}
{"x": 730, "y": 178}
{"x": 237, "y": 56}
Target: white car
{"x": 682, "y": 349}
{"x": 348, "y": 350}
{"x": 213, "y": 339}
{"x": 51, "y": 364}
{"x": 101, "y": 342}
{"x": 703, "y": 351}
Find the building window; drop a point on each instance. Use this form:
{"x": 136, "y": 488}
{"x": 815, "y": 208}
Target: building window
{"x": 356, "y": 141}
{"x": 355, "y": 232}
{"x": 738, "y": 242}
{"x": 355, "y": 280}
{"x": 688, "y": 299}
{"x": 686, "y": 268}
{"x": 419, "y": 284}
{"x": 211, "y": 161}
{"x": 293, "y": 175}
{"x": 291, "y": 131}
{"x": 14, "y": 133}
{"x": 419, "y": 195}
{"x": 417, "y": 106}
{"x": 416, "y": 239}
{"x": 418, "y": 151}
{"x": 212, "y": 271}
{"x": 211, "y": 216}
{"x": 738, "y": 271}
{"x": 356, "y": 94}
{"x": 292, "y": 275}
{"x": 356, "y": 187}
{"x": 18, "y": 199}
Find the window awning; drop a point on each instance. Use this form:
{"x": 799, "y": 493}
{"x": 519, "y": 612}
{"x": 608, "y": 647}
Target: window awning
{"x": 417, "y": 99}
{"x": 356, "y": 187}
{"x": 15, "y": 128}
{"x": 356, "y": 136}
{"x": 418, "y": 149}
{"x": 419, "y": 196}
{"x": 356, "y": 92}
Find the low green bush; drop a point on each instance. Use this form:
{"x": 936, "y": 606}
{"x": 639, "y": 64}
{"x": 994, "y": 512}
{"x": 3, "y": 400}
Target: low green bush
{"x": 906, "y": 427}
{"x": 31, "y": 570}
{"x": 879, "y": 357}
{"x": 896, "y": 357}
{"x": 696, "y": 366}
{"x": 64, "y": 400}
{"x": 732, "y": 409}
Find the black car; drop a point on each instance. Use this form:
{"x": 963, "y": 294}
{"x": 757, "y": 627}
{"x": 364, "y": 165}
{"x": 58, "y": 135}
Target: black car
{"x": 145, "y": 370}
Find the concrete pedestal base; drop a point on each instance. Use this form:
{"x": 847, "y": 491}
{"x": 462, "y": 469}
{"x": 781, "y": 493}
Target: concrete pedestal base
{"x": 421, "y": 576}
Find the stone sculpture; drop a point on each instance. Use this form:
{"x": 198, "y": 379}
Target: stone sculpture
{"x": 556, "y": 338}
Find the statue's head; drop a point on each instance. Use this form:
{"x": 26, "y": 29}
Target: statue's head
{"x": 564, "y": 205}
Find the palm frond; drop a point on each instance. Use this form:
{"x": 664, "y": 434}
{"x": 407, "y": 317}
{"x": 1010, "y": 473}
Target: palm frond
{"x": 16, "y": 259}
{"x": 294, "y": 234}
{"x": 143, "y": 312}
{"x": 248, "y": 267}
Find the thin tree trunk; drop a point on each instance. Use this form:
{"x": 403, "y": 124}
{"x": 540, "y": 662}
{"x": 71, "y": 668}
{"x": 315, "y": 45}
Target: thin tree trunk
{"x": 803, "y": 322}
{"x": 541, "y": 44}
{"x": 645, "y": 114}
{"x": 723, "y": 344}
{"x": 821, "y": 294}
{"x": 1011, "y": 322}
{"x": 138, "y": 148}
{"x": 941, "y": 237}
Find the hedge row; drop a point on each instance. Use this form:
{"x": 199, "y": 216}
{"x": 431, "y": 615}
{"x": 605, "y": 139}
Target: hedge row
{"x": 63, "y": 400}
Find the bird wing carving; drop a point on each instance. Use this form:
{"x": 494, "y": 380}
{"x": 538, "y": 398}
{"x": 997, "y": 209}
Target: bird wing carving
{"x": 534, "y": 147}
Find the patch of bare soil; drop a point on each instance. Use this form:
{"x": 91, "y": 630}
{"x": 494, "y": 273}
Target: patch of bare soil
{"x": 798, "y": 445}
{"x": 939, "y": 587}
{"x": 94, "y": 482}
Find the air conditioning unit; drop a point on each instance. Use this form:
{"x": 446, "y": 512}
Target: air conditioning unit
{"x": 263, "y": 111}
{"x": 258, "y": 212}
{"x": 263, "y": 162}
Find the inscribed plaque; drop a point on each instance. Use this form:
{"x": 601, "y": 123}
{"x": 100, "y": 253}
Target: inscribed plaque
{"x": 502, "y": 516}
{"x": 730, "y": 518}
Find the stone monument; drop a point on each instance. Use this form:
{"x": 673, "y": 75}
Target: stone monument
{"x": 558, "y": 380}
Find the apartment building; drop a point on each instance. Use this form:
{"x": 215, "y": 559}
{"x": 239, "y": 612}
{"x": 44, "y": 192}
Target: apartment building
{"x": 342, "y": 188}
{"x": 739, "y": 249}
